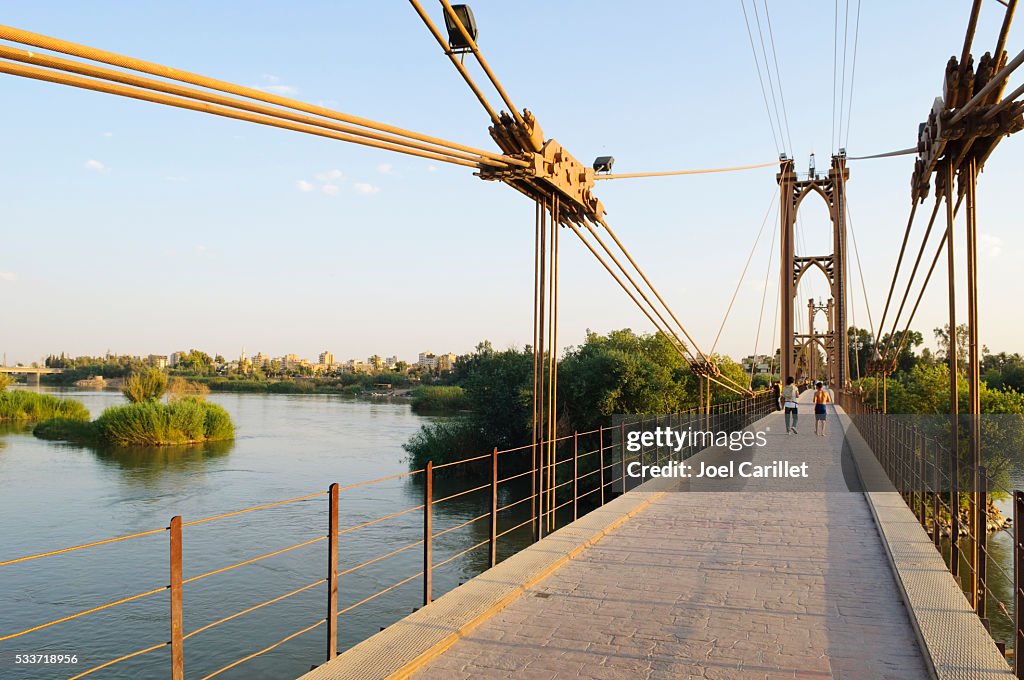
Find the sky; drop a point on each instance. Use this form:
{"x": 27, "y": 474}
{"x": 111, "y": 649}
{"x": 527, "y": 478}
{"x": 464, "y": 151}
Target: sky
{"x": 133, "y": 228}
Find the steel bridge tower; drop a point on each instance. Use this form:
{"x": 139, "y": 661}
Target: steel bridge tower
{"x": 792, "y": 191}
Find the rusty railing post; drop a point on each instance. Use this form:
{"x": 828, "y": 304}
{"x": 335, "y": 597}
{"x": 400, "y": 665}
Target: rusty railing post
{"x": 600, "y": 461}
{"x": 332, "y": 571}
{"x": 981, "y": 546}
{"x": 954, "y": 513}
{"x": 177, "y": 636}
{"x": 622, "y": 452}
{"x": 494, "y": 507}
{"x": 575, "y": 474}
{"x": 428, "y": 531}
{"x": 1018, "y": 583}
{"x": 937, "y": 471}
{"x": 922, "y": 479}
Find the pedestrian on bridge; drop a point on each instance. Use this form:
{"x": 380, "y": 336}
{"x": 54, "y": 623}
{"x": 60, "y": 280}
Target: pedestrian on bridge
{"x": 790, "y": 394}
{"x": 776, "y": 393}
{"x": 821, "y": 397}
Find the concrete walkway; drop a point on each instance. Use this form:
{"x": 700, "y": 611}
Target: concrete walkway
{"x": 756, "y": 583}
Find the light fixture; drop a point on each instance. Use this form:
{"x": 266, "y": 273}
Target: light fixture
{"x": 456, "y": 40}
{"x": 604, "y": 163}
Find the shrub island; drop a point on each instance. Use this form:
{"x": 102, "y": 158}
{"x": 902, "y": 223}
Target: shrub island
{"x": 184, "y": 418}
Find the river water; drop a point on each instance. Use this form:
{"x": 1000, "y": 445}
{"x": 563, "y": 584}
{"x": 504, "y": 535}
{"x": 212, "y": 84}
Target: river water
{"x": 54, "y": 495}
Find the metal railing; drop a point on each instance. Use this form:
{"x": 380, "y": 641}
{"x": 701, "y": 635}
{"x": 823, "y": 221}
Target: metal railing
{"x": 590, "y": 469}
{"x": 930, "y": 476}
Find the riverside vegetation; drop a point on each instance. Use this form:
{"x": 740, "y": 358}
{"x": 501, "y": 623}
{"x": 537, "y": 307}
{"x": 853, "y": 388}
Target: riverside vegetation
{"x": 619, "y": 373}
{"x": 184, "y": 418}
{"x": 22, "y": 406}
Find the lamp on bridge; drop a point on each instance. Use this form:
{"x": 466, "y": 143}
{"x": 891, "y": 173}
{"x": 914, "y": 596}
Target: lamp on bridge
{"x": 456, "y": 40}
{"x": 604, "y": 164}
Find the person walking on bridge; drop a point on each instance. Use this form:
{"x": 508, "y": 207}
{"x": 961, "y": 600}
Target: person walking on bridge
{"x": 821, "y": 397}
{"x": 790, "y": 394}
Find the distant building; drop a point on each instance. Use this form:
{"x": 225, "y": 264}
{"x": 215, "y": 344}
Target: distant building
{"x": 427, "y": 360}
{"x": 357, "y": 366}
{"x": 760, "y": 363}
{"x": 326, "y": 359}
{"x": 291, "y": 361}
{"x": 157, "y": 361}
{"x": 446, "y": 362}
{"x": 391, "y": 362}
{"x": 174, "y": 359}
{"x": 376, "y": 362}
{"x": 260, "y": 360}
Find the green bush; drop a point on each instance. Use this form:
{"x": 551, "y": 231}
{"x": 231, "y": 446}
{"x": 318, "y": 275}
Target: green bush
{"x": 150, "y": 423}
{"x": 439, "y": 399}
{"x": 218, "y": 425}
{"x": 292, "y": 387}
{"x": 25, "y": 406}
{"x": 442, "y": 442}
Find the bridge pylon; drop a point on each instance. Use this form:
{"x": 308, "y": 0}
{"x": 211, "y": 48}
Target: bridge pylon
{"x": 832, "y": 189}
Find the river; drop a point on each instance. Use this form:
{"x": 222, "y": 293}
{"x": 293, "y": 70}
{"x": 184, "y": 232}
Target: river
{"x": 54, "y": 495}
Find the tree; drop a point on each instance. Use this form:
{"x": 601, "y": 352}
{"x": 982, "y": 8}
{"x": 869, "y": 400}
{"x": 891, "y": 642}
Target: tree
{"x": 906, "y": 359}
{"x": 622, "y": 373}
{"x": 962, "y": 349}
{"x": 859, "y": 358}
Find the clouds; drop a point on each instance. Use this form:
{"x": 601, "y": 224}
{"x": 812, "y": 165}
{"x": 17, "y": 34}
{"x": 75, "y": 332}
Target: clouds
{"x": 333, "y": 182}
{"x": 93, "y": 165}
{"x": 365, "y": 189}
{"x": 989, "y": 245}
{"x": 273, "y": 85}
{"x": 386, "y": 169}
{"x": 8, "y": 276}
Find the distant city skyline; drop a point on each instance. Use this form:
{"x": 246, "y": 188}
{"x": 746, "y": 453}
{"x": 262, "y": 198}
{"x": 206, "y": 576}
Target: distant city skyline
{"x": 135, "y": 228}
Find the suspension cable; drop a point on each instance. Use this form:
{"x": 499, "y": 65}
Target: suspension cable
{"x": 227, "y": 112}
{"x": 860, "y": 269}
{"x": 760, "y": 79}
{"x": 455, "y": 62}
{"x": 113, "y": 59}
{"x": 653, "y": 289}
{"x": 200, "y": 95}
{"x": 917, "y": 263}
{"x": 680, "y": 348}
{"x": 684, "y": 172}
{"x": 743, "y": 273}
{"x": 483, "y": 63}
{"x": 764, "y": 296}
{"x": 899, "y": 262}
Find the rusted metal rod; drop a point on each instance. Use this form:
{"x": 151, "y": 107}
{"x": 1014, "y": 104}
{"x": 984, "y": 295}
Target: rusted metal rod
{"x": 177, "y": 607}
{"x": 332, "y": 571}
{"x": 428, "y": 532}
{"x": 494, "y": 508}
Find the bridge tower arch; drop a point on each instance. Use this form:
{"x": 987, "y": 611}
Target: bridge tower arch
{"x": 831, "y": 187}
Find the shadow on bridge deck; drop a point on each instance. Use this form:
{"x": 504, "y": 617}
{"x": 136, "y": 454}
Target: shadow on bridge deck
{"x": 750, "y": 580}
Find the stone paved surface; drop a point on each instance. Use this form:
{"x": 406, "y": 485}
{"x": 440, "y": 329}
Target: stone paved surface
{"x": 724, "y": 586}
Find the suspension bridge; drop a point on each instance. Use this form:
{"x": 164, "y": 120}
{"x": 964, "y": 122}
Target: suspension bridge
{"x": 630, "y": 573}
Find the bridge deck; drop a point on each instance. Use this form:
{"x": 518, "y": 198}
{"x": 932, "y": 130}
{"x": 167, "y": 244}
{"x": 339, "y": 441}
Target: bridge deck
{"x": 752, "y": 583}
{"x": 714, "y": 585}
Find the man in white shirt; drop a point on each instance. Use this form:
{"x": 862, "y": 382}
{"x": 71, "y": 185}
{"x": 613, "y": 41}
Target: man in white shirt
{"x": 790, "y": 394}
